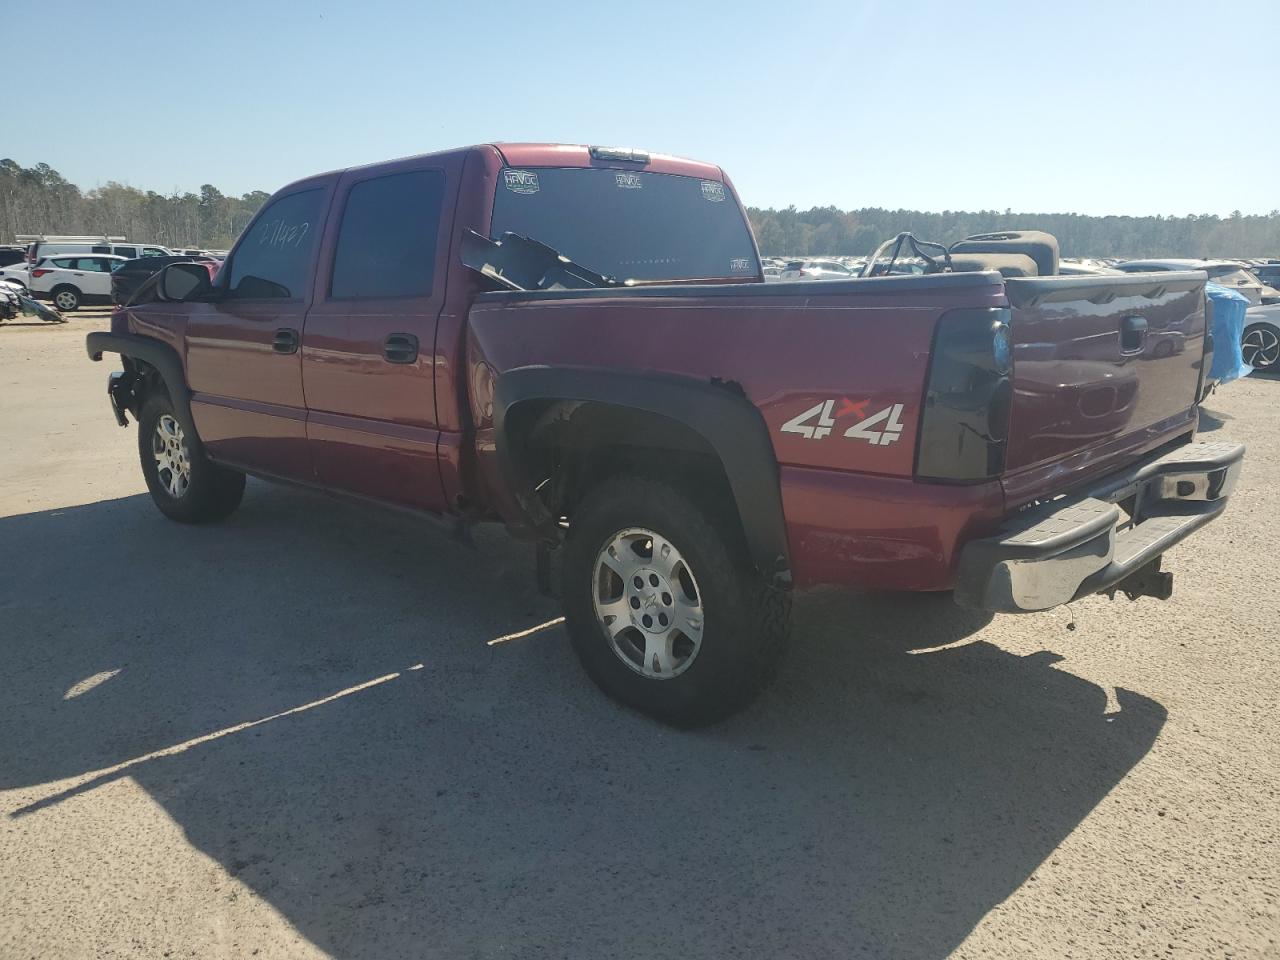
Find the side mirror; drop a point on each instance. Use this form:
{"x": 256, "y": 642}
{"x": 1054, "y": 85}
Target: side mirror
{"x": 185, "y": 281}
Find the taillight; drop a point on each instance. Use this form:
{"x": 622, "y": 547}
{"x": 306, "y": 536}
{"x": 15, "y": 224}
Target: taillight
{"x": 801, "y": 273}
{"x": 40, "y": 273}
{"x": 964, "y": 428}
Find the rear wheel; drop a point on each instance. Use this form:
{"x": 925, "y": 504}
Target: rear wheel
{"x": 66, "y": 298}
{"x": 662, "y": 606}
{"x": 185, "y": 484}
{"x": 1261, "y": 347}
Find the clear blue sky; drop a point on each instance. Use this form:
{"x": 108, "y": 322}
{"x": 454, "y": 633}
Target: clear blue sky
{"x": 1043, "y": 107}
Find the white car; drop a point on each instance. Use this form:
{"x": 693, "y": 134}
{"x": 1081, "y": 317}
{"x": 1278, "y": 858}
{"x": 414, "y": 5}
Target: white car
{"x": 40, "y": 247}
{"x": 1261, "y": 341}
{"x": 19, "y": 274}
{"x": 70, "y": 281}
{"x": 815, "y": 270}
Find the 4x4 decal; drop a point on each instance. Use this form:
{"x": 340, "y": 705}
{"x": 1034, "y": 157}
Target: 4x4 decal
{"x": 882, "y": 427}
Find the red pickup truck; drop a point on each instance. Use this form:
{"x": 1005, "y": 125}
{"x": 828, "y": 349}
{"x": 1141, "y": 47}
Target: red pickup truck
{"x": 577, "y": 342}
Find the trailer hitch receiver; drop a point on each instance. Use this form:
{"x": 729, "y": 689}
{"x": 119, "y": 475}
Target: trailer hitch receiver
{"x": 1147, "y": 581}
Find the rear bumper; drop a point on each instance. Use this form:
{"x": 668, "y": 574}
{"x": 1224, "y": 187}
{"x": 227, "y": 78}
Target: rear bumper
{"x": 1070, "y": 548}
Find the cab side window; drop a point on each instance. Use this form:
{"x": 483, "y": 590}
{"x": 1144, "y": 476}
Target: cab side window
{"x": 273, "y": 260}
{"x": 387, "y": 241}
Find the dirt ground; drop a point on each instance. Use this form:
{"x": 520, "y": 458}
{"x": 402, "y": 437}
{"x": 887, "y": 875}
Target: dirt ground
{"x": 308, "y": 732}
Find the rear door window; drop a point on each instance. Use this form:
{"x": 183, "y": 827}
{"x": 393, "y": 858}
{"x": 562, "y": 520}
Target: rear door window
{"x": 387, "y": 241}
{"x": 129, "y": 252}
{"x": 273, "y": 260}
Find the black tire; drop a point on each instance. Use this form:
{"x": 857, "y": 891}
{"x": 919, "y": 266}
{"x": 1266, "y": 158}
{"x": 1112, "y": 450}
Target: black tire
{"x": 212, "y": 493}
{"x": 71, "y": 297}
{"x": 744, "y": 623}
{"x": 1263, "y": 336}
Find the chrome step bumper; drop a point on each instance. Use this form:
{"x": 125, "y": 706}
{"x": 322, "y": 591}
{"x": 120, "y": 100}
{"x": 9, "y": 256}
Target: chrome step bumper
{"x": 1067, "y": 549}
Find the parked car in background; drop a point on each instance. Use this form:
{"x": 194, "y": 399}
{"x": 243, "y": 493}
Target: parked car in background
{"x": 1268, "y": 273}
{"x": 815, "y": 270}
{"x": 70, "y": 281}
{"x": 1220, "y": 271}
{"x": 1261, "y": 342}
{"x": 48, "y": 246}
{"x": 1070, "y": 269}
{"x": 130, "y": 275}
{"x": 18, "y": 274}
{"x": 11, "y": 255}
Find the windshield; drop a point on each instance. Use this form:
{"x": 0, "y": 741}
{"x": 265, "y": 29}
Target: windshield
{"x": 628, "y": 225}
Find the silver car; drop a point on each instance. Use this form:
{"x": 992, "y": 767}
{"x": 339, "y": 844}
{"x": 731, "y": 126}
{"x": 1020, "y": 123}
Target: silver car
{"x": 1220, "y": 271}
{"x": 815, "y": 270}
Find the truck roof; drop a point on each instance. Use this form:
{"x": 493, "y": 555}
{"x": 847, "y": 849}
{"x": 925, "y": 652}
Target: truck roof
{"x": 552, "y": 155}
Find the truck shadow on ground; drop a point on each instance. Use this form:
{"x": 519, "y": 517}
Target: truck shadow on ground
{"x": 877, "y": 801}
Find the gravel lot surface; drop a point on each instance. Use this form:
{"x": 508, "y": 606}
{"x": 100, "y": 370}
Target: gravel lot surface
{"x": 294, "y": 735}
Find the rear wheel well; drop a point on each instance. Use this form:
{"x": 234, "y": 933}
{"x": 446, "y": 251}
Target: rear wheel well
{"x": 566, "y": 448}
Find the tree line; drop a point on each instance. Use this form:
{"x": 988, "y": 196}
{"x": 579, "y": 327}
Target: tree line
{"x": 829, "y": 230}
{"x": 38, "y": 199}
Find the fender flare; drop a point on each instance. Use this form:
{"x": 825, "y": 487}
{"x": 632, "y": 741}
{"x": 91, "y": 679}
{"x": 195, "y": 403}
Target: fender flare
{"x": 159, "y": 355}
{"x": 726, "y": 420}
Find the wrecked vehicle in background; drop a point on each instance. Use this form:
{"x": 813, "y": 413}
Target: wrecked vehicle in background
{"x": 15, "y": 304}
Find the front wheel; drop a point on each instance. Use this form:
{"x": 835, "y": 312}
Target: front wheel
{"x": 185, "y": 484}
{"x": 1261, "y": 347}
{"x": 662, "y": 606}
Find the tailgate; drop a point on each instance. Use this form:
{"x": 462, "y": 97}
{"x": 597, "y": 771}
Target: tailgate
{"x": 1104, "y": 368}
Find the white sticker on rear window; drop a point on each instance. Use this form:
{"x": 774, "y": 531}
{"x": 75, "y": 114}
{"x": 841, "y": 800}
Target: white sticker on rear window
{"x": 739, "y": 264}
{"x": 712, "y": 191}
{"x": 520, "y": 181}
{"x": 628, "y": 181}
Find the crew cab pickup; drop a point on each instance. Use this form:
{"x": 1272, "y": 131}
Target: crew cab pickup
{"x": 578, "y": 342}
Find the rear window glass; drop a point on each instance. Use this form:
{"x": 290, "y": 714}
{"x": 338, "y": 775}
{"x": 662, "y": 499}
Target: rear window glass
{"x": 629, "y": 225}
{"x": 387, "y": 241}
{"x": 273, "y": 260}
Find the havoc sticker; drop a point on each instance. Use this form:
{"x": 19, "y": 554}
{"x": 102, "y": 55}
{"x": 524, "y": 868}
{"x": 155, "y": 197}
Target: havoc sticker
{"x": 628, "y": 181}
{"x": 520, "y": 181}
{"x": 739, "y": 265}
{"x": 712, "y": 191}
{"x": 886, "y": 423}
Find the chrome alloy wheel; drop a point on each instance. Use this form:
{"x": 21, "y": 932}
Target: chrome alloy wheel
{"x": 1261, "y": 347}
{"x": 65, "y": 300}
{"x": 173, "y": 461}
{"x": 647, "y": 600}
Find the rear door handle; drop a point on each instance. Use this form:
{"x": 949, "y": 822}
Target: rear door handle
{"x": 1133, "y": 332}
{"x": 400, "y": 348}
{"x": 285, "y": 341}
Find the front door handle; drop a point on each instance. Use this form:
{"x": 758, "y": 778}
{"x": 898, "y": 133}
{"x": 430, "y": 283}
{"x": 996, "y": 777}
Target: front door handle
{"x": 400, "y": 348}
{"x": 1133, "y": 333}
{"x": 285, "y": 341}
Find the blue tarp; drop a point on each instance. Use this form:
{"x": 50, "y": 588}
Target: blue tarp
{"x": 1228, "y": 330}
